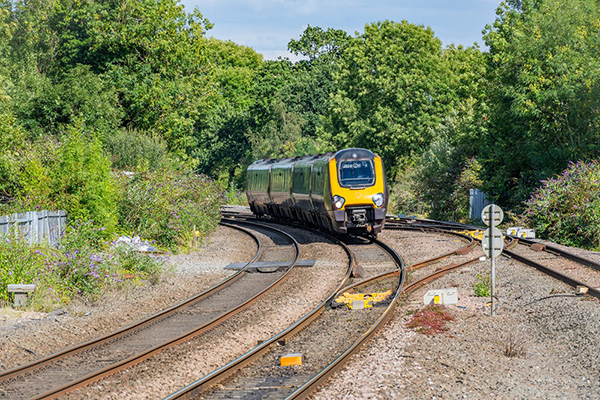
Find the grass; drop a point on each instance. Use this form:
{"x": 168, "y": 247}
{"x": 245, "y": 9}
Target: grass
{"x": 515, "y": 345}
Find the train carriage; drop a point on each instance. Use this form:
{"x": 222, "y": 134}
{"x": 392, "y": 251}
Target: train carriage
{"x": 343, "y": 192}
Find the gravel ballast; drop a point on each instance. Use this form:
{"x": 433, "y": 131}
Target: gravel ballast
{"x": 554, "y": 332}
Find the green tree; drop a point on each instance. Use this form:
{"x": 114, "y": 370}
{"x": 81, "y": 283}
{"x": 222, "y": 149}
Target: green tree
{"x": 392, "y": 91}
{"x": 44, "y": 107}
{"x": 221, "y": 130}
{"x": 544, "y": 92}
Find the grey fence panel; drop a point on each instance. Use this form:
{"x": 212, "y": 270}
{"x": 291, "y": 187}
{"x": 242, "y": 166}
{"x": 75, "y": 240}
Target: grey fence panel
{"x": 4, "y": 224}
{"x": 36, "y": 226}
{"x": 477, "y": 201}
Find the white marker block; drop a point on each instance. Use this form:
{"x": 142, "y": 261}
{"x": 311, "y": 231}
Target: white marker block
{"x": 441, "y": 296}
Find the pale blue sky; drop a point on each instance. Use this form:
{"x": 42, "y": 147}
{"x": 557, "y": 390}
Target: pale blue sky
{"x": 268, "y": 25}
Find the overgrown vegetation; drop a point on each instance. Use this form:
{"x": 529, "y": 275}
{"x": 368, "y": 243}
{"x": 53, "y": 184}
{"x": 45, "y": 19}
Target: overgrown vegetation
{"x": 165, "y": 205}
{"x": 566, "y": 208}
{"x": 431, "y": 320}
{"x": 82, "y": 265}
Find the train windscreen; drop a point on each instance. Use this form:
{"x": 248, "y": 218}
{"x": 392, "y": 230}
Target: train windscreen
{"x": 356, "y": 173}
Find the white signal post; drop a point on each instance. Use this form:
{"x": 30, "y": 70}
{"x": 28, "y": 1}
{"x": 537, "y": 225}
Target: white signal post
{"x": 492, "y": 243}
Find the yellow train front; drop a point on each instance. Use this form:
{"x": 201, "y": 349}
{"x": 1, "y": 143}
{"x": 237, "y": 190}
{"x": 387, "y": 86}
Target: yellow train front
{"x": 343, "y": 192}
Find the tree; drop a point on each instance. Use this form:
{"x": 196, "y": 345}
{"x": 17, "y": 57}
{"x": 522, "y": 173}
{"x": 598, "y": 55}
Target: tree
{"x": 544, "y": 64}
{"x": 392, "y": 91}
{"x": 221, "y": 130}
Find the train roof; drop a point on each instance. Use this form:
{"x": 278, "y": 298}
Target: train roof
{"x": 344, "y": 154}
{"x": 355, "y": 153}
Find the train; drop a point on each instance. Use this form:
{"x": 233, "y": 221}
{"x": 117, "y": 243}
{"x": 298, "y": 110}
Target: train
{"x": 343, "y": 192}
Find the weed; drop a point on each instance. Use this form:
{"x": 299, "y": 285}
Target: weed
{"x": 81, "y": 266}
{"x": 483, "y": 286}
{"x": 566, "y": 208}
{"x": 430, "y": 320}
{"x": 515, "y": 345}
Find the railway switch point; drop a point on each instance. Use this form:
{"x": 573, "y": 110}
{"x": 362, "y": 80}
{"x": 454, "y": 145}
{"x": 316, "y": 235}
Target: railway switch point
{"x": 463, "y": 251}
{"x": 538, "y": 247}
{"x": 359, "y": 272}
{"x": 291, "y": 359}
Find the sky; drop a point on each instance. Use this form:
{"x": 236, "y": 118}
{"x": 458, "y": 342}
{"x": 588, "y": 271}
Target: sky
{"x": 268, "y": 25}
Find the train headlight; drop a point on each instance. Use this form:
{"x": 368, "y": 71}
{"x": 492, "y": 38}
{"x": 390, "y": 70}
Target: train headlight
{"x": 338, "y": 202}
{"x": 378, "y": 199}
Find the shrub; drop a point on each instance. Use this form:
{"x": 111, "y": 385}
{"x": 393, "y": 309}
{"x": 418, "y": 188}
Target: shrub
{"x": 166, "y": 204}
{"x": 82, "y": 265}
{"x": 71, "y": 174}
{"x": 129, "y": 150}
{"x": 566, "y": 208}
{"x": 403, "y": 194}
{"x": 430, "y": 320}
{"x": 82, "y": 181}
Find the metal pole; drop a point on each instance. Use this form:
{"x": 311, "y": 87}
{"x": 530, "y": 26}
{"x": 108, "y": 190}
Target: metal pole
{"x": 493, "y": 291}
{"x": 493, "y": 257}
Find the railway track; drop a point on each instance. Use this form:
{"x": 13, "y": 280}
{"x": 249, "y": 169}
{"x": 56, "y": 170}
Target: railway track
{"x": 261, "y": 376}
{"x": 321, "y": 352}
{"x": 83, "y": 364}
{"x": 576, "y": 271}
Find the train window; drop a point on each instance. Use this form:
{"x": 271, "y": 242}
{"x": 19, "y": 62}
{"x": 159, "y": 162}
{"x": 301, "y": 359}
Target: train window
{"x": 356, "y": 173}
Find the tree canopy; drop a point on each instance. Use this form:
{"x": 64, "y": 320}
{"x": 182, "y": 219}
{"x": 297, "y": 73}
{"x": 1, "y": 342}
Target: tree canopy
{"x": 147, "y": 88}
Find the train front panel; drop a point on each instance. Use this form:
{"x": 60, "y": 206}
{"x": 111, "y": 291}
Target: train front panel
{"x": 359, "y": 193}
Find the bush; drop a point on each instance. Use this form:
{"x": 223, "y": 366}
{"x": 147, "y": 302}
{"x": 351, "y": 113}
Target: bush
{"x": 130, "y": 150}
{"x": 71, "y": 174}
{"x": 166, "y": 204}
{"x": 82, "y": 183}
{"x": 566, "y": 208}
{"x": 82, "y": 265}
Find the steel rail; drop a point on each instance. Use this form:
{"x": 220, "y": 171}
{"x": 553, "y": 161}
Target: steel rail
{"x": 548, "y": 248}
{"x": 40, "y": 363}
{"x": 563, "y": 253}
{"x": 101, "y": 374}
{"x": 462, "y": 250}
{"x": 195, "y": 388}
{"x": 307, "y": 388}
{"x": 549, "y": 271}
{"x": 553, "y": 273}
{"x": 136, "y": 359}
